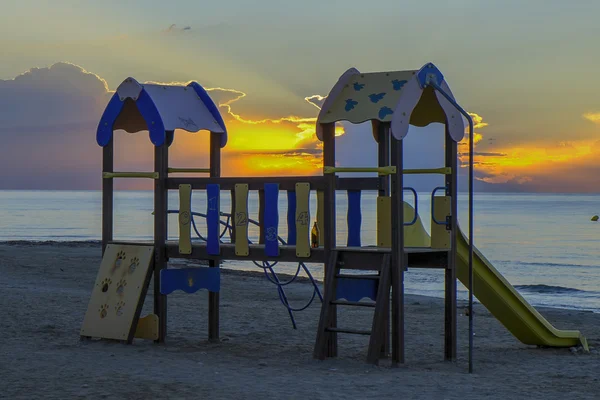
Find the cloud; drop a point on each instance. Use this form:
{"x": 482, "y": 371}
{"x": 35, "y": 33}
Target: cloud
{"x": 50, "y": 115}
{"x": 46, "y": 97}
{"x": 303, "y": 127}
{"x": 593, "y": 117}
{"x": 316, "y": 100}
{"x": 49, "y": 118}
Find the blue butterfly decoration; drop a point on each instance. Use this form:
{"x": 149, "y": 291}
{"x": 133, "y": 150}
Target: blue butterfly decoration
{"x": 385, "y": 111}
{"x": 350, "y": 104}
{"x": 375, "y": 97}
{"x": 358, "y": 86}
{"x": 398, "y": 84}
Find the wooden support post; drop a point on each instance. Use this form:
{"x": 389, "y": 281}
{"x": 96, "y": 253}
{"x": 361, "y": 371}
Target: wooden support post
{"x": 329, "y": 224}
{"x": 213, "y": 297}
{"x": 398, "y": 259}
{"x": 161, "y": 163}
{"x": 381, "y": 133}
{"x": 450, "y": 276}
{"x": 107, "y": 194}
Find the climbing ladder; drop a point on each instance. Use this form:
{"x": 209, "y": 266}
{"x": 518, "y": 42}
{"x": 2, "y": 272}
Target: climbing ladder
{"x": 347, "y": 289}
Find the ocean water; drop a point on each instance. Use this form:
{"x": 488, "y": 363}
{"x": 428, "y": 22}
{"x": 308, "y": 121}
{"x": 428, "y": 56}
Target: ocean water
{"x": 544, "y": 244}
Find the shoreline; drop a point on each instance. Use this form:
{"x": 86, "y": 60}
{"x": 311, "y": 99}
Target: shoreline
{"x": 255, "y": 272}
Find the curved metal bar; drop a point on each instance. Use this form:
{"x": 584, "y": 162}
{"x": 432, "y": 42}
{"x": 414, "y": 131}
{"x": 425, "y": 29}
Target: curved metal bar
{"x": 471, "y": 177}
{"x": 416, "y": 216}
{"x": 432, "y": 206}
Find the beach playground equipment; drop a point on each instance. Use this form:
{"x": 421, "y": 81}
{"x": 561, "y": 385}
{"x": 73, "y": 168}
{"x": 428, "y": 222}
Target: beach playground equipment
{"x": 355, "y": 275}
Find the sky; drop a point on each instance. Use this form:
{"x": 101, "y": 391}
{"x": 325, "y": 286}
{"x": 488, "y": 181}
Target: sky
{"x": 526, "y": 71}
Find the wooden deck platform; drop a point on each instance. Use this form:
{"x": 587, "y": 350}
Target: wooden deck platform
{"x": 353, "y": 257}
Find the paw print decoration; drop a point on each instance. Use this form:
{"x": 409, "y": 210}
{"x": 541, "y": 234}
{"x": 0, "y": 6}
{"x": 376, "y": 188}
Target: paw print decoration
{"x": 121, "y": 287}
{"x": 118, "y": 261}
{"x": 105, "y": 284}
{"x": 133, "y": 264}
{"x": 119, "y": 308}
{"x": 103, "y": 310}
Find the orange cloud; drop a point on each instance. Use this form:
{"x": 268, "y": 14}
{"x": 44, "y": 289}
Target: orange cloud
{"x": 592, "y": 116}
{"x": 272, "y": 146}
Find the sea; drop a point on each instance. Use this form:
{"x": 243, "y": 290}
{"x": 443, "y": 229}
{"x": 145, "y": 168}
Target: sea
{"x": 545, "y": 245}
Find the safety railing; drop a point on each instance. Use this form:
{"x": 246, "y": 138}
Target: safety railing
{"x": 111, "y": 175}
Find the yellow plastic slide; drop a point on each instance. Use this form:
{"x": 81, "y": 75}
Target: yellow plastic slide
{"x": 507, "y": 305}
{"x": 496, "y": 294}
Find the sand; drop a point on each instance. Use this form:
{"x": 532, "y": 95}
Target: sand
{"x": 45, "y": 290}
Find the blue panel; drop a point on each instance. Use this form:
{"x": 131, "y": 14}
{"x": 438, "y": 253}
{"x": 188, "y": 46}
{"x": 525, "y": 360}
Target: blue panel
{"x": 356, "y": 289}
{"x": 354, "y": 218}
{"x": 154, "y": 121}
{"x": 213, "y": 208}
{"x": 429, "y": 72}
{"x": 291, "y": 218}
{"x": 105, "y": 126}
{"x": 190, "y": 280}
{"x": 271, "y": 219}
{"x": 214, "y": 110}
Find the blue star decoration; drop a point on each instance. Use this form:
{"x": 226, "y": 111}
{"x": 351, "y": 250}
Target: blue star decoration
{"x": 358, "y": 86}
{"x": 350, "y": 104}
{"x": 398, "y": 84}
{"x": 375, "y": 97}
{"x": 384, "y": 112}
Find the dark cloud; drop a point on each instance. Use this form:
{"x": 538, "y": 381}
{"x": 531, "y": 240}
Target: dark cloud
{"x": 175, "y": 28}
{"x": 49, "y": 119}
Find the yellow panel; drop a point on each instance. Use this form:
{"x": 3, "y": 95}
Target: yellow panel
{"x": 440, "y": 236}
{"x": 241, "y": 219}
{"x": 302, "y": 220}
{"x": 384, "y": 221}
{"x": 415, "y": 235}
{"x": 185, "y": 217}
{"x": 147, "y": 327}
{"x": 427, "y": 110}
{"x": 121, "y": 280}
{"x": 321, "y": 216}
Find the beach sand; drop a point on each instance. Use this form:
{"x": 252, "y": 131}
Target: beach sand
{"x": 45, "y": 291}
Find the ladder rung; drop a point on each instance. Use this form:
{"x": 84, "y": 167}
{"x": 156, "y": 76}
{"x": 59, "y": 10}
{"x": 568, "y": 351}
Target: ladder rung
{"x": 352, "y": 303}
{"x": 354, "y": 331}
{"x": 352, "y": 276}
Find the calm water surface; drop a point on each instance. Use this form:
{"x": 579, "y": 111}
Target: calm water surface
{"x": 544, "y": 244}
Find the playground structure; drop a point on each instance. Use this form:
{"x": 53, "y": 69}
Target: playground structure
{"x": 391, "y": 101}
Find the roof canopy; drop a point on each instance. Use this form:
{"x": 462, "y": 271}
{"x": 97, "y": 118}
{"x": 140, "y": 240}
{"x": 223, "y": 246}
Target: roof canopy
{"x": 401, "y": 97}
{"x": 159, "y": 109}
